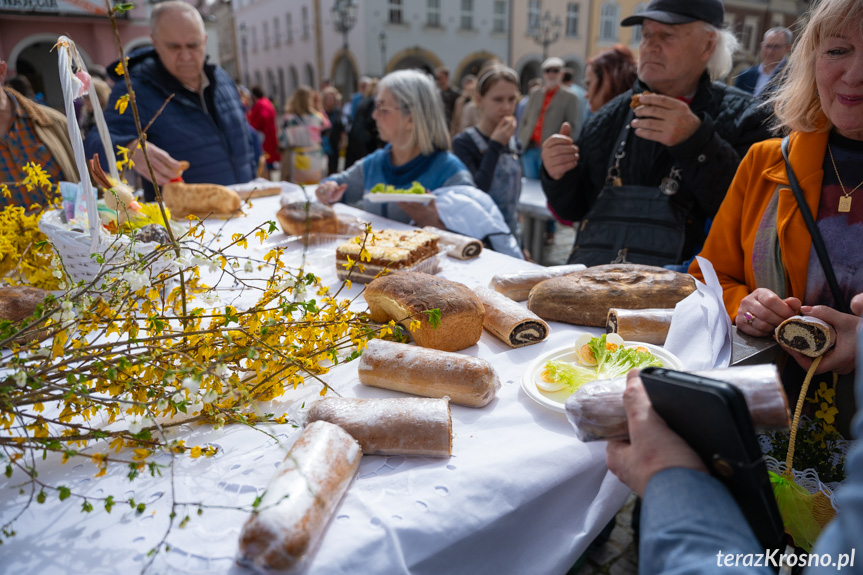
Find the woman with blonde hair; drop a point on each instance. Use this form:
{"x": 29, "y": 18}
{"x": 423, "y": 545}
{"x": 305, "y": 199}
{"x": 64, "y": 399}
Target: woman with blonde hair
{"x": 300, "y": 138}
{"x": 772, "y": 262}
{"x": 332, "y": 141}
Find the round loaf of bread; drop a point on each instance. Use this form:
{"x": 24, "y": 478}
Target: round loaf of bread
{"x": 301, "y": 218}
{"x": 407, "y": 296}
{"x": 18, "y": 303}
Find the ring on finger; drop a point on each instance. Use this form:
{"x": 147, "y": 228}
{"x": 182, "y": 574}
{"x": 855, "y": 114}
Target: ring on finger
{"x": 748, "y": 317}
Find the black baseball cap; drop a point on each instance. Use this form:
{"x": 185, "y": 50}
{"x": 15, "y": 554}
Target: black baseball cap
{"x": 680, "y": 12}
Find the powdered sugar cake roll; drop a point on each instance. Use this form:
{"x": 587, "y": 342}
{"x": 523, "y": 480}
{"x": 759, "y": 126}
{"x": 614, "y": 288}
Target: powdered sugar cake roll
{"x": 517, "y": 286}
{"x": 391, "y": 426}
{"x": 465, "y": 379}
{"x": 511, "y": 322}
{"x": 300, "y": 500}
{"x": 644, "y": 325}
{"x": 457, "y": 246}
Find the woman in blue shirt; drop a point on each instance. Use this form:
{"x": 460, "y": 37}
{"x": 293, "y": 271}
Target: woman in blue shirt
{"x": 409, "y": 116}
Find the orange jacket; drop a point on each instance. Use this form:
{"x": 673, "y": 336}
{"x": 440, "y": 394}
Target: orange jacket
{"x": 729, "y": 245}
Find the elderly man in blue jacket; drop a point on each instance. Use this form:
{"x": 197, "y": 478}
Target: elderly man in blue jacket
{"x": 203, "y": 123}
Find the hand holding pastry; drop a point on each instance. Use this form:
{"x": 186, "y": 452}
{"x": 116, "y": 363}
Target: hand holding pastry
{"x": 842, "y": 358}
{"x": 504, "y": 130}
{"x": 663, "y": 119}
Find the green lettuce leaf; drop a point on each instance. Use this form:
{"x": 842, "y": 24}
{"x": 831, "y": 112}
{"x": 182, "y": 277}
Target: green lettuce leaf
{"x": 620, "y": 361}
{"x": 572, "y": 375}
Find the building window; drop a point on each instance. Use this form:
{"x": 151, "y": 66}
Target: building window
{"x": 609, "y": 20}
{"x": 294, "y": 79}
{"x": 310, "y": 75}
{"x": 572, "y": 10}
{"x": 499, "y": 22}
{"x": 433, "y": 13}
{"x": 749, "y": 38}
{"x": 466, "y": 14}
{"x": 271, "y": 85}
{"x": 395, "y": 11}
{"x": 533, "y": 8}
{"x": 636, "y": 30}
{"x": 289, "y": 28}
{"x": 305, "y": 22}
{"x": 254, "y": 39}
{"x": 266, "y": 35}
{"x": 277, "y": 32}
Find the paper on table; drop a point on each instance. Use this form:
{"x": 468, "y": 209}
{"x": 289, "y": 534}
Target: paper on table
{"x": 700, "y": 332}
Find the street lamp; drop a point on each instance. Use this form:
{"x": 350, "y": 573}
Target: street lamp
{"x": 382, "y": 41}
{"x": 548, "y": 32}
{"x": 344, "y": 13}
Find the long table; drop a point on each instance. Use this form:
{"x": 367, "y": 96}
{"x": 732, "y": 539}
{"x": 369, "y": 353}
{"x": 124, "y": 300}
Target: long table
{"x": 520, "y": 494}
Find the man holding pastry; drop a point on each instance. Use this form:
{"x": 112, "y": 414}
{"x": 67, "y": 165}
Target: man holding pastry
{"x": 646, "y": 176}
{"x": 203, "y": 123}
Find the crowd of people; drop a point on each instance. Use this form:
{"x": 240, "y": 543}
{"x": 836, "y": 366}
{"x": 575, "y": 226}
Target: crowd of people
{"x": 657, "y": 160}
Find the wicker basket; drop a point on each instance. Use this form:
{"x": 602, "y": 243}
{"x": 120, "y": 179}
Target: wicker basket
{"x": 78, "y": 248}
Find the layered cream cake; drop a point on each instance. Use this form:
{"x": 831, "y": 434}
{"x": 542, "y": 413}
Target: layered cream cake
{"x": 389, "y": 250}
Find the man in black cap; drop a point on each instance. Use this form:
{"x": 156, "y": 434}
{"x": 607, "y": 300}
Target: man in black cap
{"x": 650, "y": 169}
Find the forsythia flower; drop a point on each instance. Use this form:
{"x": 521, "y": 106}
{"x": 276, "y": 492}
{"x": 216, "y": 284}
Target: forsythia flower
{"x": 125, "y": 161}
{"x": 36, "y": 176}
{"x": 121, "y": 104}
{"x": 26, "y": 257}
{"x": 120, "y": 68}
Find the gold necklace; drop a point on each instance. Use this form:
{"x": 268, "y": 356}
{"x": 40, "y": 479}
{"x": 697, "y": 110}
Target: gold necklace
{"x": 845, "y": 202}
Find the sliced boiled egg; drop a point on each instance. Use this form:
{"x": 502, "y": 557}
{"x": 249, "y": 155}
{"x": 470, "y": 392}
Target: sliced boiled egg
{"x": 544, "y": 383}
{"x": 613, "y": 339}
{"x": 583, "y": 351}
{"x": 585, "y": 354}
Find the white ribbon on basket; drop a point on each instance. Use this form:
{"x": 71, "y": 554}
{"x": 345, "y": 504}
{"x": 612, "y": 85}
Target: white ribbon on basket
{"x": 68, "y": 56}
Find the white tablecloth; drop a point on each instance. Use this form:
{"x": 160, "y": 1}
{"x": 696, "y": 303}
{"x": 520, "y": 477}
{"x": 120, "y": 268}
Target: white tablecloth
{"x": 520, "y": 493}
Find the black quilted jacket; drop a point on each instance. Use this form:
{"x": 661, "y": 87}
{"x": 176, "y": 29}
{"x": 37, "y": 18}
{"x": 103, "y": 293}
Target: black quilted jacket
{"x": 731, "y": 122}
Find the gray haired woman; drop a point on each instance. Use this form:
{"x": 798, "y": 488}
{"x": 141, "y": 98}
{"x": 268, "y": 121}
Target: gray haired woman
{"x": 410, "y": 118}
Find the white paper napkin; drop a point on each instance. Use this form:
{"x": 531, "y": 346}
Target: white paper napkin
{"x": 700, "y": 333}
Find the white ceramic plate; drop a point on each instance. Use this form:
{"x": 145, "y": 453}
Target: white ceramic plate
{"x": 556, "y": 400}
{"x": 383, "y": 198}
